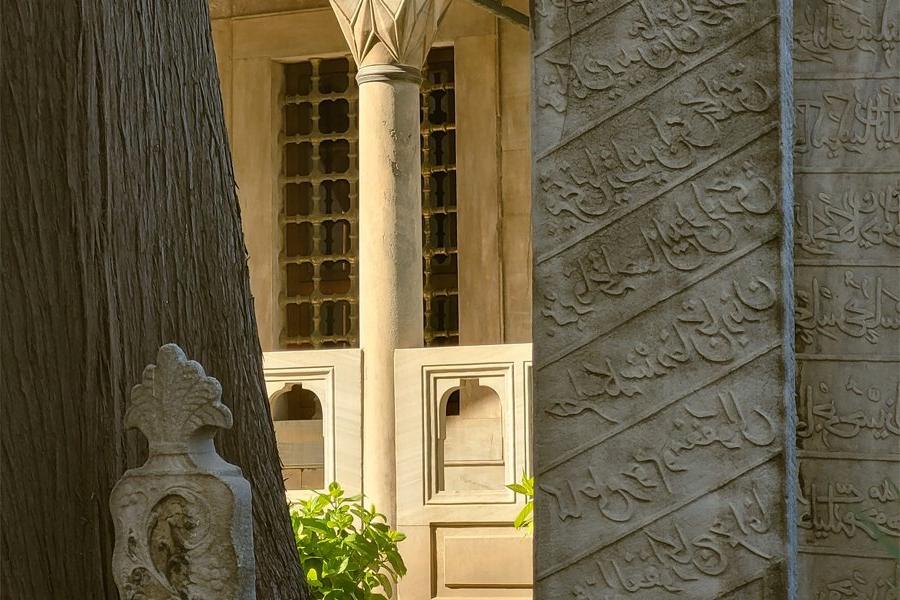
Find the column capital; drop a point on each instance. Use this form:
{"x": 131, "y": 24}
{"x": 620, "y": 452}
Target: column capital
{"x": 389, "y": 39}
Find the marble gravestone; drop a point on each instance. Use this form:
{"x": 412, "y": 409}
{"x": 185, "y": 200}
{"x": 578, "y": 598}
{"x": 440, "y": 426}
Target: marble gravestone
{"x": 847, "y": 257}
{"x": 183, "y": 519}
{"x": 659, "y": 311}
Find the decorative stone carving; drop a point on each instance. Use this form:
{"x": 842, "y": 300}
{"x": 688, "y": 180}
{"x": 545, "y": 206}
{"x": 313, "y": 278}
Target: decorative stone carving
{"x": 183, "y": 519}
{"x": 390, "y": 32}
{"x": 659, "y": 368}
{"x": 847, "y": 258}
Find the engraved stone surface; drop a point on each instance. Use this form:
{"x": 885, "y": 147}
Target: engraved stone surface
{"x": 658, "y": 300}
{"x": 847, "y": 257}
{"x": 182, "y": 519}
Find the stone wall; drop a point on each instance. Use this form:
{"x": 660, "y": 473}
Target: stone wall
{"x": 658, "y": 311}
{"x": 847, "y": 180}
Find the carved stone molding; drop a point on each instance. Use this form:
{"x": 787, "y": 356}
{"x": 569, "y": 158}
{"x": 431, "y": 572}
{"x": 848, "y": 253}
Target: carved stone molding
{"x": 389, "y": 32}
{"x": 182, "y": 519}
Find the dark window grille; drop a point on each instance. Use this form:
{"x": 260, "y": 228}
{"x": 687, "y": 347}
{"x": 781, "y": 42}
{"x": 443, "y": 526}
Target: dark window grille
{"x": 319, "y": 216}
{"x": 440, "y": 249}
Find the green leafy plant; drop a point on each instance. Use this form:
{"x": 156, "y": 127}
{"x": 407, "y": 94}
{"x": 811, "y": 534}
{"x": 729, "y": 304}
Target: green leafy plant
{"x": 347, "y": 551}
{"x": 525, "y": 518}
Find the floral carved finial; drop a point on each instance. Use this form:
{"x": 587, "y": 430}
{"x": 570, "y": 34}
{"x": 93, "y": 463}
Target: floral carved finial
{"x": 176, "y": 402}
{"x": 183, "y": 520}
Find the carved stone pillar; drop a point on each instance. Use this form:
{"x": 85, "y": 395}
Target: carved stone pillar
{"x": 183, "y": 519}
{"x": 662, "y": 352}
{"x": 389, "y": 41}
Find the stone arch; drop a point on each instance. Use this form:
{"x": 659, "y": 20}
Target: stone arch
{"x": 299, "y": 431}
{"x": 471, "y": 437}
{"x": 296, "y": 403}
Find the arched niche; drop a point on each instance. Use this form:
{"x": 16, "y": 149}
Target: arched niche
{"x": 470, "y": 438}
{"x": 296, "y": 403}
{"x": 297, "y": 417}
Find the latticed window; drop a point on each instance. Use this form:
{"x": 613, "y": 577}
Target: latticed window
{"x": 320, "y": 212}
{"x": 440, "y": 248}
{"x": 319, "y": 216}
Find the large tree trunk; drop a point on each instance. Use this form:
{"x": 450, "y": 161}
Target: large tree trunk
{"x": 120, "y": 232}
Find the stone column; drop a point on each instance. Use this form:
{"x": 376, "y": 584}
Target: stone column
{"x": 389, "y": 42}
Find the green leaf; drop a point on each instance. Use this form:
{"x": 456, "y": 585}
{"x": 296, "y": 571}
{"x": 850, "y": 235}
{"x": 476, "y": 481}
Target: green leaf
{"x": 385, "y": 582}
{"x": 517, "y": 488}
{"x": 523, "y": 516}
{"x": 344, "y": 564}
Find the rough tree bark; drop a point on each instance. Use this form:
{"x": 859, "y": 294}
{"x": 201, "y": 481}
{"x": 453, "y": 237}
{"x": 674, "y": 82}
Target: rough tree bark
{"x": 120, "y": 232}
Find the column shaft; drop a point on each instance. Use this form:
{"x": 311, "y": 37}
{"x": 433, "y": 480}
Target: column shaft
{"x": 390, "y": 265}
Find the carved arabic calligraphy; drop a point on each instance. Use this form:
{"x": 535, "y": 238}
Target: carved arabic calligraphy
{"x": 848, "y": 122}
{"x": 646, "y": 478}
{"x": 863, "y": 308}
{"x": 669, "y": 559}
{"x": 858, "y": 587}
{"x": 704, "y": 330}
{"x": 841, "y": 508}
{"x": 863, "y": 26}
{"x": 661, "y": 37}
{"x": 544, "y": 7}
{"x": 658, "y": 300}
{"x": 866, "y": 219}
{"x": 682, "y": 235}
{"x": 819, "y": 418}
{"x": 592, "y": 191}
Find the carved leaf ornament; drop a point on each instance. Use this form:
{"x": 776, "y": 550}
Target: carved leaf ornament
{"x": 406, "y": 28}
{"x": 176, "y": 400}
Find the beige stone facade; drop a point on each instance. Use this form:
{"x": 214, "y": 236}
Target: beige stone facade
{"x": 336, "y": 410}
{"x": 254, "y": 41}
{"x": 322, "y": 441}
{"x": 716, "y": 353}
{"x": 451, "y": 501}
